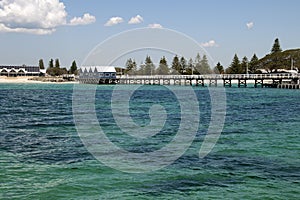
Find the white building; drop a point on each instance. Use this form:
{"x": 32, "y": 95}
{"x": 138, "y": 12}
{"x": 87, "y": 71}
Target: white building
{"x": 98, "y": 74}
{"x": 23, "y": 70}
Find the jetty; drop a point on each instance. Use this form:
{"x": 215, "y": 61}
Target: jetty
{"x": 280, "y": 80}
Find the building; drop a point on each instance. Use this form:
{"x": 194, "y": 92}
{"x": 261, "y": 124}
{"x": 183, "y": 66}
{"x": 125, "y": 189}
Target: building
{"x": 98, "y": 75}
{"x": 14, "y": 71}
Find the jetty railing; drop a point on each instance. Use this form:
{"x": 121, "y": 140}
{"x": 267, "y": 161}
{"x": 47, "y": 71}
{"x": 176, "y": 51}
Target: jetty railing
{"x": 215, "y": 76}
{"x": 227, "y": 80}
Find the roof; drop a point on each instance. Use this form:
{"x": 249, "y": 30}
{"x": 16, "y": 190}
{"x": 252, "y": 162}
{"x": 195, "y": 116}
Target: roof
{"x": 103, "y": 69}
{"x": 27, "y": 68}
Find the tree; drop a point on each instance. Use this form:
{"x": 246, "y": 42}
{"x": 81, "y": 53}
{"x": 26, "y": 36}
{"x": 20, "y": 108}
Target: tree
{"x": 204, "y": 66}
{"x": 141, "y": 70}
{"x": 276, "y": 46}
{"x": 244, "y": 65}
{"x": 149, "y": 66}
{"x": 176, "y": 65}
{"x": 163, "y": 68}
{"x": 51, "y": 63}
{"x": 131, "y": 67}
{"x": 219, "y": 69}
{"x": 41, "y": 64}
{"x": 73, "y": 68}
{"x": 55, "y": 71}
{"x": 134, "y": 68}
{"x": 253, "y": 64}
{"x": 183, "y": 65}
{"x": 197, "y": 64}
{"x": 190, "y": 67}
{"x": 57, "y": 65}
{"x": 235, "y": 66}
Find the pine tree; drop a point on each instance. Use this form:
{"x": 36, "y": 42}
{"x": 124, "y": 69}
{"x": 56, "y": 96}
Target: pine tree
{"x": 253, "y": 64}
{"x": 235, "y": 66}
{"x": 134, "y": 68}
{"x": 244, "y": 65}
{"x": 149, "y": 66}
{"x": 41, "y": 64}
{"x": 57, "y": 65}
{"x": 163, "y": 68}
{"x": 276, "y": 46}
{"x": 141, "y": 70}
{"x": 190, "y": 67}
{"x": 131, "y": 67}
{"x": 128, "y": 66}
{"x": 219, "y": 69}
{"x": 51, "y": 65}
{"x": 183, "y": 65}
{"x": 197, "y": 64}
{"x": 204, "y": 66}
{"x": 73, "y": 68}
{"x": 176, "y": 65}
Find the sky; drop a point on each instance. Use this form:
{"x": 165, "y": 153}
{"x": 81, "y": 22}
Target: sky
{"x": 70, "y": 29}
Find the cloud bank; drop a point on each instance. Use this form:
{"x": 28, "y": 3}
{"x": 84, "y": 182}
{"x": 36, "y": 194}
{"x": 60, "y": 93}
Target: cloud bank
{"x": 36, "y": 16}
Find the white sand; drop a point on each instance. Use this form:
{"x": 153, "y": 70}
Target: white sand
{"x": 25, "y": 79}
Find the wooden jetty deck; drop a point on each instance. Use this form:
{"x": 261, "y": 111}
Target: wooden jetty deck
{"x": 226, "y": 80}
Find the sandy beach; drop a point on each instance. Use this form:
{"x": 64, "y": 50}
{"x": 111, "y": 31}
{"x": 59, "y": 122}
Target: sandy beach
{"x": 23, "y": 79}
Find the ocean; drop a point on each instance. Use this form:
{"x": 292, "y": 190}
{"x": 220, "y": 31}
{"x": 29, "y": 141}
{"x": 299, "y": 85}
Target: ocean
{"x": 42, "y": 155}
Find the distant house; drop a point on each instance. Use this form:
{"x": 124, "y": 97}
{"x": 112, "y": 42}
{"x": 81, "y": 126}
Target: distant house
{"x": 278, "y": 71}
{"x": 14, "y": 71}
{"x": 98, "y": 74}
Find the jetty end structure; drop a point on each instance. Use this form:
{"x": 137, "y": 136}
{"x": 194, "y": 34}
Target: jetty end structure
{"x": 98, "y": 75}
{"x": 108, "y": 75}
{"x": 14, "y": 71}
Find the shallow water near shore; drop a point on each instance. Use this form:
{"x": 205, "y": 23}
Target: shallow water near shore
{"x": 43, "y": 157}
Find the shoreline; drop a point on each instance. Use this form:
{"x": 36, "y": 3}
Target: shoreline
{"x": 20, "y": 79}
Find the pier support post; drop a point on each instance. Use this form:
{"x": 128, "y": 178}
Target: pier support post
{"x": 227, "y": 82}
{"x": 242, "y": 82}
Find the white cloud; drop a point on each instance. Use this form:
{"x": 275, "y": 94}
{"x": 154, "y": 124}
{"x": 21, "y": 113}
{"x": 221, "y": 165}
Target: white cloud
{"x": 136, "y": 20}
{"x": 31, "y": 16}
{"x": 86, "y": 19}
{"x": 210, "y": 43}
{"x": 37, "y": 31}
{"x": 36, "y": 16}
{"x": 114, "y": 21}
{"x": 155, "y": 26}
{"x": 250, "y": 25}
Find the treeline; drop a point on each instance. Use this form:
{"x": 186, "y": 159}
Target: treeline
{"x": 243, "y": 67}
{"x": 271, "y": 63}
{"x": 54, "y": 68}
{"x": 278, "y": 59}
{"x": 253, "y": 66}
{"x": 179, "y": 65}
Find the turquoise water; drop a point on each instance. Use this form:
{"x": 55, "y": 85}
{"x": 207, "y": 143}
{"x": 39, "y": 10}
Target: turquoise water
{"x": 42, "y": 156}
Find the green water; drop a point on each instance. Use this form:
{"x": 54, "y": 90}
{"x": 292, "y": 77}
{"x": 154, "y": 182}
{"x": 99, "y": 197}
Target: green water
{"x": 43, "y": 157}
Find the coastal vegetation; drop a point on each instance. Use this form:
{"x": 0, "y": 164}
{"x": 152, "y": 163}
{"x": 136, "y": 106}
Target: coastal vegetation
{"x": 54, "y": 69}
{"x": 271, "y": 63}
{"x": 179, "y": 65}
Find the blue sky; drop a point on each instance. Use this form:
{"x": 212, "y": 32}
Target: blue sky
{"x": 74, "y": 28}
